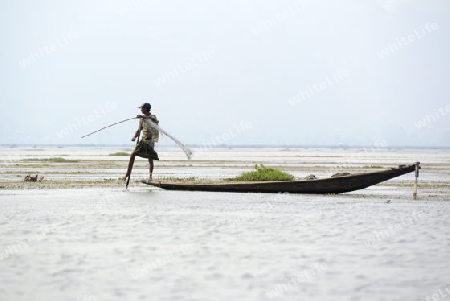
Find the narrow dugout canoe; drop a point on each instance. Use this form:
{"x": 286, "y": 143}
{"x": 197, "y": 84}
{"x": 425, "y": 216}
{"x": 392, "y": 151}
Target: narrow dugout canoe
{"x": 337, "y": 184}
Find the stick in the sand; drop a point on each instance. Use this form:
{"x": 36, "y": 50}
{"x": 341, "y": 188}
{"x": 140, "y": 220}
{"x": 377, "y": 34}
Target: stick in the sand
{"x": 185, "y": 149}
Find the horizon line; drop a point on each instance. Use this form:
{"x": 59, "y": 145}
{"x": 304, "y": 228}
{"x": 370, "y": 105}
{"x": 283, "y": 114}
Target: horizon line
{"x": 221, "y": 146}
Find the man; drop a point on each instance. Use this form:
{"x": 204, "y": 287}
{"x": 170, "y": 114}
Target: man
{"x": 145, "y": 147}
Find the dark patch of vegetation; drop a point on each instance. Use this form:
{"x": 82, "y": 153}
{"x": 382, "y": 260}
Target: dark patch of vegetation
{"x": 120, "y": 154}
{"x": 53, "y": 160}
{"x": 62, "y": 160}
{"x": 176, "y": 179}
{"x": 263, "y": 173}
{"x": 373, "y": 166}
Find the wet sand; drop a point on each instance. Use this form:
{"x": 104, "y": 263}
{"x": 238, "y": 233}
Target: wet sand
{"x": 102, "y": 242}
{"x": 95, "y": 167}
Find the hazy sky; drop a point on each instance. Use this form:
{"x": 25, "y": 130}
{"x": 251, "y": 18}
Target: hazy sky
{"x": 318, "y": 72}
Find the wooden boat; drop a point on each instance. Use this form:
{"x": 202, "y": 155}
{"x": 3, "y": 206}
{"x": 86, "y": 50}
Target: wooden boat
{"x": 334, "y": 184}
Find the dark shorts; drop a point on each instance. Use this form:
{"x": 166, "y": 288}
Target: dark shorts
{"x": 145, "y": 149}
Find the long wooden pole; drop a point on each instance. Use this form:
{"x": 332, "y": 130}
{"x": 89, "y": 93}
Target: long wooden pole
{"x": 87, "y": 135}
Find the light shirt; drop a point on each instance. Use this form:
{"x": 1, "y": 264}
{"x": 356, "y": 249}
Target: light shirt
{"x": 147, "y": 131}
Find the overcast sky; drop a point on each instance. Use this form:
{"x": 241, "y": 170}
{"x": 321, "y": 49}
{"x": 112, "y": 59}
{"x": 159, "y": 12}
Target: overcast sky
{"x": 318, "y": 72}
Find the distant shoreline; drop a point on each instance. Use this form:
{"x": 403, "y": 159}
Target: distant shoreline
{"x": 225, "y": 146}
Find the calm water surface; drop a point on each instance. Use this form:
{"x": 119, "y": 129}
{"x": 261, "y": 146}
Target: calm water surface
{"x": 150, "y": 244}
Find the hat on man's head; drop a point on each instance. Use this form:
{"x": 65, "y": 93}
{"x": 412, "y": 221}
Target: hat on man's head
{"x": 145, "y": 105}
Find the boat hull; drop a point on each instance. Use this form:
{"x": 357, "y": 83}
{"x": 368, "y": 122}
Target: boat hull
{"x": 340, "y": 184}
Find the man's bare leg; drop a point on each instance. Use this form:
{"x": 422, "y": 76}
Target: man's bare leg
{"x": 150, "y": 169}
{"x": 130, "y": 166}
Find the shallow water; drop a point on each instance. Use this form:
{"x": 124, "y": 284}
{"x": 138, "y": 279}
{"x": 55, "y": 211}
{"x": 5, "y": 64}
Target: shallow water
{"x": 206, "y": 246}
{"x": 150, "y": 244}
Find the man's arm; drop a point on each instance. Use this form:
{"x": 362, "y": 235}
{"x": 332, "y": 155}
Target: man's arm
{"x": 138, "y": 132}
